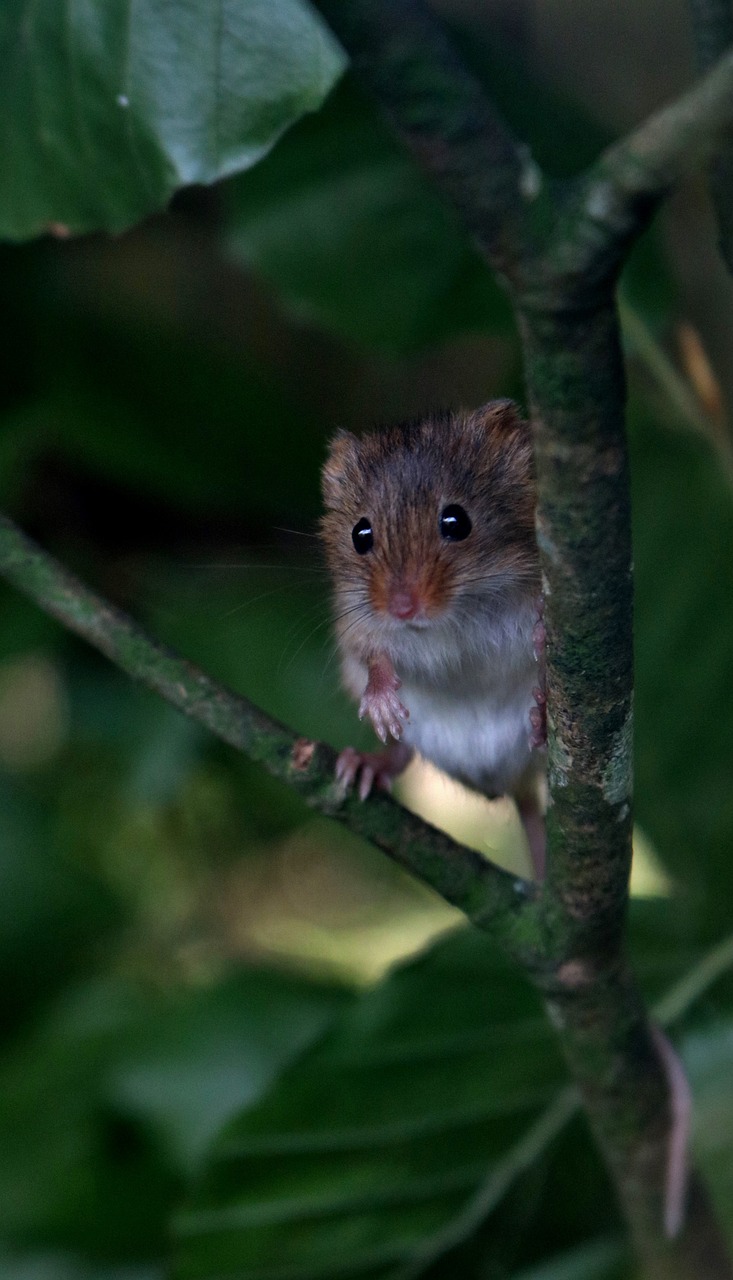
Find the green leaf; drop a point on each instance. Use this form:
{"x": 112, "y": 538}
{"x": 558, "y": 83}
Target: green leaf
{"x": 372, "y": 1147}
{"x": 52, "y": 913}
{"x": 599, "y": 1260}
{"x": 207, "y": 1056}
{"x": 394, "y": 1148}
{"x": 356, "y": 240}
{"x": 707, "y": 1053}
{"x": 110, "y": 1103}
{"x": 107, "y": 109}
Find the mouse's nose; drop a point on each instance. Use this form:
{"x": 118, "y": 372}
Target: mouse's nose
{"x": 404, "y": 602}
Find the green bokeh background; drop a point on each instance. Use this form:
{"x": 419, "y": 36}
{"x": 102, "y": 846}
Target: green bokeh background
{"x": 198, "y": 1075}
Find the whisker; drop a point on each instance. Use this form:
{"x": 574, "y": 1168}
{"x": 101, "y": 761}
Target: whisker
{"x": 304, "y": 618}
{"x": 248, "y": 604}
{"x": 270, "y": 568}
{"x": 364, "y": 612}
{"x": 296, "y": 630}
{"x": 329, "y": 661}
{"x": 350, "y": 608}
{"x": 297, "y": 532}
{"x": 284, "y": 671}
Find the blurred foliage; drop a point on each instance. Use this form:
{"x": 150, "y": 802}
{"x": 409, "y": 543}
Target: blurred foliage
{"x": 187, "y": 1047}
{"x": 145, "y": 99}
{"x": 341, "y": 184}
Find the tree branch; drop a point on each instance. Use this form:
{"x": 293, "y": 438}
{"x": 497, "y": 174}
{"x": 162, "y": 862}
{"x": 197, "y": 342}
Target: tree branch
{"x": 501, "y": 903}
{"x": 713, "y": 27}
{"x": 442, "y": 114}
{"x": 626, "y": 184}
{"x": 569, "y": 248}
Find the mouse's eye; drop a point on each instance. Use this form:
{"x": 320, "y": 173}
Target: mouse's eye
{"x": 455, "y": 523}
{"x": 362, "y": 536}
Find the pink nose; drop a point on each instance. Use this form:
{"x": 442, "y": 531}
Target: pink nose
{"x": 404, "y": 603}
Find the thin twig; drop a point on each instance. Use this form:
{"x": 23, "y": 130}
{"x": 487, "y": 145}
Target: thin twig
{"x": 633, "y": 175}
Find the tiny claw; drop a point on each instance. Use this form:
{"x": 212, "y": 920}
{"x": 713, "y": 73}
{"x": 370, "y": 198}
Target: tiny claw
{"x": 385, "y": 711}
{"x": 365, "y": 781}
{"x": 374, "y": 770}
{"x": 347, "y": 767}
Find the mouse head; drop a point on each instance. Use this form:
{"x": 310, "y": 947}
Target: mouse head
{"x": 430, "y": 518}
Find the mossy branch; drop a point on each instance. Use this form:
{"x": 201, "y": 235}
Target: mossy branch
{"x": 501, "y": 903}
{"x": 441, "y": 112}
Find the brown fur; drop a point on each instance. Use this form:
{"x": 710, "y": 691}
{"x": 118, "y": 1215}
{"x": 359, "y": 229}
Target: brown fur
{"x": 401, "y": 478}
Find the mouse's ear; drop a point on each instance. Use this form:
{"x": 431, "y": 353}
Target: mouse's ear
{"x": 334, "y": 477}
{"x": 500, "y": 415}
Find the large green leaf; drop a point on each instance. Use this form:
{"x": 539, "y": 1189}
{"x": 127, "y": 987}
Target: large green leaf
{"x": 708, "y": 1058}
{"x": 109, "y": 1104}
{"x": 52, "y": 913}
{"x": 105, "y": 109}
{"x": 383, "y": 1151}
{"x": 375, "y": 1142}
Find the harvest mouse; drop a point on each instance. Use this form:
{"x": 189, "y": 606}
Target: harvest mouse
{"x": 429, "y": 536}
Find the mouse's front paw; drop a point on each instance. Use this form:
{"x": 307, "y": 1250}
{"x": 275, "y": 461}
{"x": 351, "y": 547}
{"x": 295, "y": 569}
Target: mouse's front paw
{"x": 385, "y": 711}
{"x": 380, "y": 702}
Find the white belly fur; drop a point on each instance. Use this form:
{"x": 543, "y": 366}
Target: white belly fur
{"x": 470, "y": 711}
{"x": 482, "y": 740}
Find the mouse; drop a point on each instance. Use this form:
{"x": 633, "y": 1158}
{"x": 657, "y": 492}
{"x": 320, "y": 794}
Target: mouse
{"x": 429, "y": 537}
